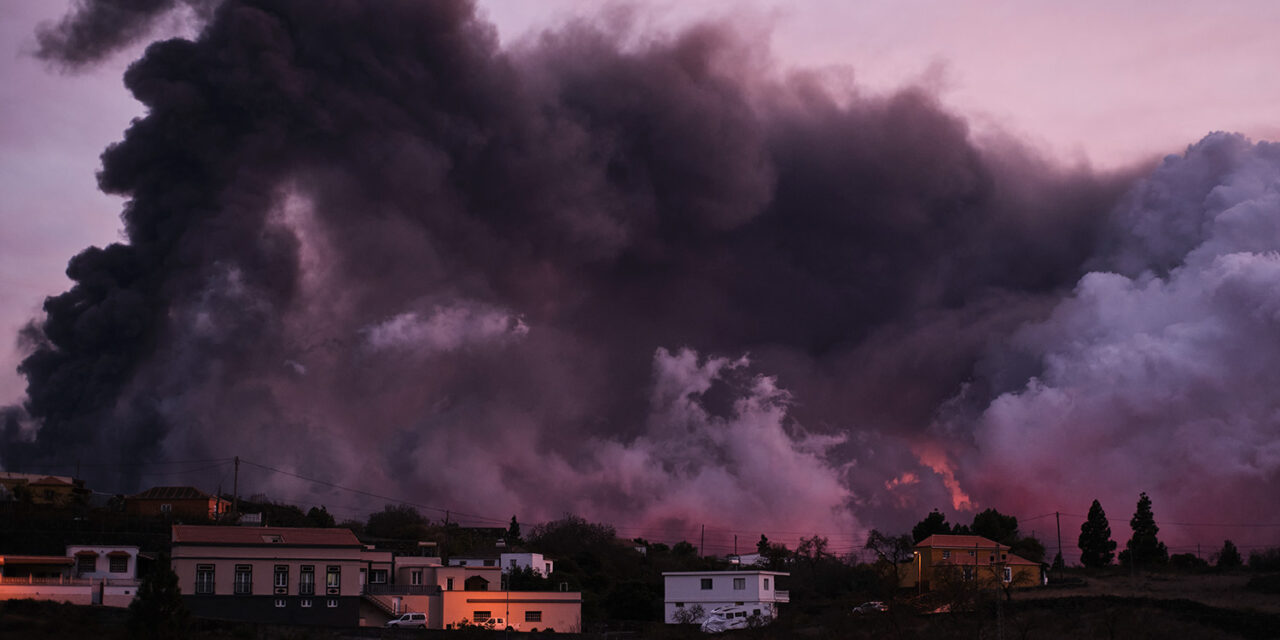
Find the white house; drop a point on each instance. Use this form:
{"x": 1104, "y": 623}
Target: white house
{"x": 508, "y": 561}
{"x": 755, "y": 589}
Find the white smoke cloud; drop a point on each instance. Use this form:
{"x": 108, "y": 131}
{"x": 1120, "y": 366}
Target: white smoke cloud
{"x": 1153, "y": 380}
{"x": 445, "y": 328}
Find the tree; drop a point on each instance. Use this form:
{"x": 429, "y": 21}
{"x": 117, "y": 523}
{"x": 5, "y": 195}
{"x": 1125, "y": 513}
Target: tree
{"x": 319, "y": 517}
{"x": 158, "y": 612}
{"x": 1144, "y": 548}
{"x": 1096, "y": 546}
{"x": 993, "y": 525}
{"x": 513, "y": 531}
{"x": 933, "y": 523}
{"x": 893, "y": 553}
{"x": 1229, "y": 557}
{"x": 401, "y": 522}
{"x": 762, "y": 547}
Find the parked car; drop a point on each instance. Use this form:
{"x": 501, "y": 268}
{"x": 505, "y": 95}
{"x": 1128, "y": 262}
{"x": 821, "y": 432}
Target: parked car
{"x": 410, "y": 621}
{"x": 871, "y": 607}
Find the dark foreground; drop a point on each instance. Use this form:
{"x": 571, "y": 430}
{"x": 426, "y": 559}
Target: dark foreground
{"x": 1110, "y": 617}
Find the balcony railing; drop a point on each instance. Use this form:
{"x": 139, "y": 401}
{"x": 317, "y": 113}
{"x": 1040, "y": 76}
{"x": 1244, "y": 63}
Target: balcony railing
{"x": 781, "y": 596}
{"x": 402, "y": 589}
{"x": 67, "y": 581}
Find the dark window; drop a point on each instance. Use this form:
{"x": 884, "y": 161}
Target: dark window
{"x": 739, "y": 584}
{"x": 333, "y": 577}
{"x": 244, "y": 579}
{"x": 307, "y": 580}
{"x": 282, "y": 576}
{"x": 332, "y": 604}
{"x": 706, "y": 584}
{"x": 204, "y": 578}
{"x": 86, "y": 563}
{"x": 306, "y": 604}
{"x": 533, "y": 616}
{"x": 378, "y": 576}
{"x": 279, "y": 603}
{"x": 481, "y": 616}
{"x": 119, "y": 564}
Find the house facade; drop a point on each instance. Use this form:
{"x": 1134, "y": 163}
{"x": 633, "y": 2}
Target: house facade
{"x": 179, "y": 503}
{"x": 471, "y": 594}
{"x": 509, "y": 561}
{"x": 275, "y": 574}
{"x": 689, "y": 594}
{"x": 940, "y": 559}
{"x": 58, "y": 491}
{"x": 87, "y": 574}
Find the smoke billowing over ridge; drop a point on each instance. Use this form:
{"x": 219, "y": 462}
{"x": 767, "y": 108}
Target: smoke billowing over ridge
{"x": 651, "y": 283}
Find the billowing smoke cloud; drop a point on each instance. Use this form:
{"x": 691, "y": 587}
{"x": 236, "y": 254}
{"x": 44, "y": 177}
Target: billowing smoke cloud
{"x": 97, "y": 28}
{"x": 644, "y": 282}
{"x": 1160, "y": 373}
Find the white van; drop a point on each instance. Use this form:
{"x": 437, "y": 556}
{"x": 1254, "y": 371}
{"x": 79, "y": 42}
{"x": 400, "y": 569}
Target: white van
{"x": 410, "y": 621}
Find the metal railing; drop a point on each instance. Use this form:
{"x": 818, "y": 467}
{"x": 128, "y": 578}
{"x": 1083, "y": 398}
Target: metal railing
{"x": 781, "y": 596}
{"x": 402, "y": 589}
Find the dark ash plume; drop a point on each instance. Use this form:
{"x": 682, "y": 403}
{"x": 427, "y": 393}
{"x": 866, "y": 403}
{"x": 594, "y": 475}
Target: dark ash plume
{"x": 641, "y": 282}
{"x": 97, "y": 28}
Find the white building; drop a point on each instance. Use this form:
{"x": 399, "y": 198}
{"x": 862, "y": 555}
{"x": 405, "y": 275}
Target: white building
{"x": 509, "y": 561}
{"x": 755, "y": 589}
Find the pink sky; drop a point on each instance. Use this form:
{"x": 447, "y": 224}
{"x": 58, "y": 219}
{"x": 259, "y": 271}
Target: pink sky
{"x": 1083, "y": 80}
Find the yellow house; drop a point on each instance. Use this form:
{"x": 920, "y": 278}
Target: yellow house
{"x": 941, "y": 558}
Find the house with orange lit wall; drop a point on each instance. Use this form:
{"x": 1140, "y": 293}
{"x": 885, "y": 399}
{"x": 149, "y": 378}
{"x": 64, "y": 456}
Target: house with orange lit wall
{"x": 180, "y": 503}
{"x": 942, "y": 558}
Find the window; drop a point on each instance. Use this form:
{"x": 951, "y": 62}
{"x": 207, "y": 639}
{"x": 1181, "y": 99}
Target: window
{"x": 307, "y": 580}
{"x": 331, "y": 603}
{"x": 739, "y": 584}
{"x": 755, "y": 612}
{"x": 273, "y": 538}
{"x": 166, "y": 508}
{"x": 679, "y": 605}
{"x": 946, "y": 555}
{"x": 282, "y": 576}
{"x": 706, "y": 584}
{"x": 333, "y": 577}
{"x": 119, "y": 564}
{"x": 244, "y": 579}
{"x": 533, "y": 616}
{"x": 86, "y": 563}
{"x": 481, "y": 616}
{"x": 991, "y": 558}
{"x": 766, "y": 584}
{"x": 378, "y": 576}
{"x": 204, "y": 578}
{"x": 305, "y": 604}
{"x": 1008, "y": 574}
{"x": 415, "y": 577}
{"x": 971, "y": 554}
{"x": 489, "y": 563}
{"x": 448, "y": 584}
{"x": 279, "y": 603}
{"x": 513, "y": 563}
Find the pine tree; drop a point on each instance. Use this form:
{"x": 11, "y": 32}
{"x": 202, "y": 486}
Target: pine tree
{"x": 1229, "y": 557}
{"x": 513, "y": 531}
{"x": 1144, "y": 548}
{"x": 933, "y": 523}
{"x": 1096, "y": 546}
{"x": 158, "y": 612}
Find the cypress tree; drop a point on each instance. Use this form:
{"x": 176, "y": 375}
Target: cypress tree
{"x": 1144, "y": 548}
{"x": 1096, "y": 546}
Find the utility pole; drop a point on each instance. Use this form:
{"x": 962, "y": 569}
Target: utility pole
{"x": 702, "y": 542}
{"x": 235, "y": 488}
{"x": 1057, "y": 517}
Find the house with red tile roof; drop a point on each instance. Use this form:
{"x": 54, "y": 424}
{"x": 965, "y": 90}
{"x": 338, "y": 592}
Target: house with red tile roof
{"x": 180, "y": 503}
{"x": 941, "y": 558}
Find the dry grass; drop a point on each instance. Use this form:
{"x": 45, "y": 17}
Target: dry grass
{"x": 1222, "y": 590}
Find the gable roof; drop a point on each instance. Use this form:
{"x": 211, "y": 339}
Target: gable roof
{"x": 172, "y": 493}
{"x": 264, "y": 536}
{"x": 946, "y": 541}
